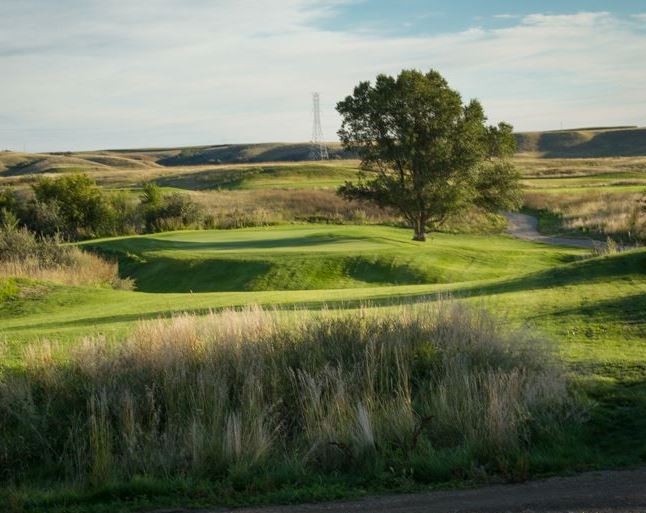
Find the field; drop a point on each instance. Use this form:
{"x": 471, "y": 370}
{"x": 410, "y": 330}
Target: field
{"x": 306, "y": 251}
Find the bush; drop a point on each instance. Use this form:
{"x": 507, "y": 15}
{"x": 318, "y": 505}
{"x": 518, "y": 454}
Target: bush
{"x": 175, "y": 211}
{"x": 434, "y": 388}
{"x": 127, "y": 218}
{"x": 81, "y": 207}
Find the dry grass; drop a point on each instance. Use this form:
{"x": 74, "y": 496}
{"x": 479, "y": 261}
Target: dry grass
{"x": 533, "y": 166}
{"x": 234, "y": 209}
{"x": 203, "y": 396}
{"x": 23, "y": 255}
{"x": 265, "y": 207}
{"x": 621, "y": 217}
{"x": 82, "y": 268}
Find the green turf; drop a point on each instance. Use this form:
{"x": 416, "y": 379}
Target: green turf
{"x": 316, "y": 257}
{"x": 546, "y": 286}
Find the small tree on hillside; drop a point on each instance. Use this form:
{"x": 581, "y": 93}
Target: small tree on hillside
{"x": 430, "y": 155}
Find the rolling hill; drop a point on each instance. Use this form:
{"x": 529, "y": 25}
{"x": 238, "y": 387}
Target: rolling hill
{"x": 575, "y": 143}
{"x": 585, "y": 142}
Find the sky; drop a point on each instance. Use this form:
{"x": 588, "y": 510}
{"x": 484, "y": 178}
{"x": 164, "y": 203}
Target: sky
{"x": 86, "y": 74}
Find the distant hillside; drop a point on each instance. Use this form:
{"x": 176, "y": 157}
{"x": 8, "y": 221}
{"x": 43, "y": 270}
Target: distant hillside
{"x": 247, "y": 153}
{"x": 582, "y": 142}
{"x": 585, "y": 142}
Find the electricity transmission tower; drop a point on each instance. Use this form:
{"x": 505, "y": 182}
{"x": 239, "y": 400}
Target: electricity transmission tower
{"x": 319, "y": 149}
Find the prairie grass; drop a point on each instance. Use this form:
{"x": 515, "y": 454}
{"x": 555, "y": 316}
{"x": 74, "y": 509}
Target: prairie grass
{"x": 82, "y": 268}
{"x": 266, "y": 207}
{"x": 433, "y": 390}
{"x": 619, "y": 216}
{"x": 23, "y": 255}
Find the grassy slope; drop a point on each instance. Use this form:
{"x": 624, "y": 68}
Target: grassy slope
{"x": 313, "y": 257}
{"x": 603, "y": 142}
{"x": 583, "y": 303}
{"x": 275, "y": 176}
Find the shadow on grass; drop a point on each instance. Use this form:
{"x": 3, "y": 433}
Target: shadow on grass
{"x": 619, "y": 266}
{"x": 143, "y": 244}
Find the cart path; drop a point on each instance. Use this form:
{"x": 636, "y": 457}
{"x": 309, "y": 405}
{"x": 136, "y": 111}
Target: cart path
{"x": 619, "y": 491}
{"x": 525, "y": 227}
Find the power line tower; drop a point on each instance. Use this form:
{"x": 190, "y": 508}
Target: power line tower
{"x": 319, "y": 149}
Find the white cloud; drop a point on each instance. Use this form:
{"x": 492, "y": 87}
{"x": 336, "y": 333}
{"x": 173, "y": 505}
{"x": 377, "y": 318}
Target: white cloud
{"x": 169, "y": 72}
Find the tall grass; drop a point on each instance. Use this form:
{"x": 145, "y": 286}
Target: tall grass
{"x": 432, "y": 390}
{"x": 619, "y": 216}
{"x": 265, "y": 207}
{"x": 23, "y": 255}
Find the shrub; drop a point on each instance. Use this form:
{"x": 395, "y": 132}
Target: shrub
{"x": 8, "y": 200}
{"x": 81, "y": 208}
{"x": 173, "y": 211}
{"x": 128, "y": 218}
{"x": 208, "y": 396}
{"x": 43, "y": 218}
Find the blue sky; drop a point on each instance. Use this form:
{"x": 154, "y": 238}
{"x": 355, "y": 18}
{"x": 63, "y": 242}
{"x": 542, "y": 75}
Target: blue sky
{"x": 90, "y": 74}
{"x": 427, "y": 17}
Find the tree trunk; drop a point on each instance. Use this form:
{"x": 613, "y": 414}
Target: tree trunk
{"x": 420, "y": 229}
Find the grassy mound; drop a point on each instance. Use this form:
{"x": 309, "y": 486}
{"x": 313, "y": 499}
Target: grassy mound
{"x": 313, "y": 257}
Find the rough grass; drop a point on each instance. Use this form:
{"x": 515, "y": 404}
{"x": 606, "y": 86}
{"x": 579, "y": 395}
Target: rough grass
{"x": 599, "y": 214}
{"x": 431, "y": 390}
{"x": 25, "y": 256}
{"x": 82, "y": 268}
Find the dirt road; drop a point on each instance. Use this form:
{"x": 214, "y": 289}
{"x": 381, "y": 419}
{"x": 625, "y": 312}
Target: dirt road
{"x": 592, "y": 492}
{"x": 525, "y": 227}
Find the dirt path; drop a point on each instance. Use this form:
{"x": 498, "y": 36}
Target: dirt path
{"x": 593, "y": 492}
{"x": 525, "y": 227}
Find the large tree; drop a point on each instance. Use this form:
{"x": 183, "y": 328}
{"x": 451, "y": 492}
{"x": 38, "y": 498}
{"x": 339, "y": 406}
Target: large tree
{"x": 423, "y": 152}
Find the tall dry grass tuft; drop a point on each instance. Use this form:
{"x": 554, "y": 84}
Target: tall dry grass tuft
{"x": 619, "y": 216}
{"x": 82, "y": 268}
{"x": 23, "y": 255}
{"x": 252, "y": 389}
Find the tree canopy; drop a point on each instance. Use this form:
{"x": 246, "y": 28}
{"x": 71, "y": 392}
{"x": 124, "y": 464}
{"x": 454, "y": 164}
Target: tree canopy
{"x": 423, "y": 152}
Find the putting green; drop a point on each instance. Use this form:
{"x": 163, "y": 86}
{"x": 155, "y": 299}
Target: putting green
{"x": 304, "y": 257}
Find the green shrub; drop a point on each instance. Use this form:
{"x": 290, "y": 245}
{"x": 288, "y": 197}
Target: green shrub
{"x": 81, "y": 207}
{"x": 175, "y": 211}
{"x": 128, "y": 216}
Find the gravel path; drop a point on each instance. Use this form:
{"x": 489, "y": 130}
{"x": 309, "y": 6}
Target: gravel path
{"x": 621, "y": 491}
{"x": 525, "y": 227}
